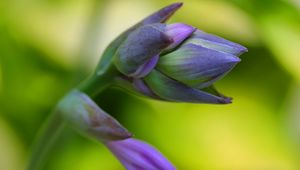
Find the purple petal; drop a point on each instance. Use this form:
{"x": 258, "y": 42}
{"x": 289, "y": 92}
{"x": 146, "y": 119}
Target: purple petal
{"x": 144, "y": 69}
{"x": 138, "y": 155}
{"x": 216, "y": 43}
{"x": 140, "y": 46}
{"x": 159, "y": 16}
{"x": 163, "y": 14}
{"x": 136, "y": 86}
{"x": 196, "y": 66}
{"x": 172, "y": 90}
{"x": 140, "y": 86}
{"x": 178, "y": 32}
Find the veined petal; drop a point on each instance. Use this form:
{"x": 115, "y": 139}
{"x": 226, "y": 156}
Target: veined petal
{"x": 172, "y": 90}
{"x": 138, "y": 155}
{"x": 216, "y": 43}
{"x": 141, "y": 45}
{"x": 178, "y": 32}
{"x": 196, "y": 66}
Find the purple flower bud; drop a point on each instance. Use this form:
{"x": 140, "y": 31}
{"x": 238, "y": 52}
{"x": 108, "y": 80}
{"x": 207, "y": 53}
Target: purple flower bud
{"x": 196, "y": 65}
{"x": 83, "y": 114}
{"x": 141, "y": 45}
{"x": 159, "y": 16}
{"x": 175, "y": 62}
{"x": 137, "y": 155}
{"x": 178, "y": 32}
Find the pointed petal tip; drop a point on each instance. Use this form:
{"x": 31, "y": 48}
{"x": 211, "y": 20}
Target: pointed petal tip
{"x": 173, "y": 6}
{"x": 242, "y": 50}
{"x": 177, "y": 5}
{"x": 129, "y": 135}
{"x": 232, "y": 59}
{"x": 225, "y": 100}
{"x": 162, "y": 15}
{"x": 236, "y": 59}
{"x": 125, "y": 134}
{"x": 169, "y": 10}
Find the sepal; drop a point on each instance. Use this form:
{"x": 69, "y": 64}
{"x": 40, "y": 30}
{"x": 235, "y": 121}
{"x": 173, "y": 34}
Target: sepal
{"x": 88, "y": 118}
{"x": 171, "y": 90}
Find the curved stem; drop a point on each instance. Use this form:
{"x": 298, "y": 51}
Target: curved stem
{"x": 93, "y": 85}
{"x": 48, "y": 135}
{"x": 46, "y": 139}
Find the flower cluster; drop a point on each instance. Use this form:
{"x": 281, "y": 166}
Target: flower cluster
{"x": 171, "y": 62}
{"x": 176, "y": 62}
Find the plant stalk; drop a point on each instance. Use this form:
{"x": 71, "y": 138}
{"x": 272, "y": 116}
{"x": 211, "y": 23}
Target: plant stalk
{"x": 46, "y": 140}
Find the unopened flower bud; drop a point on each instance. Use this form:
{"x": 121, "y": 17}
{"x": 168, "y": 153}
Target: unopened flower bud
{"x": 138, "y": 155}
{"x": 172, "y": 62}
{"x": 185, "y": 71}
{"x": 196, "y": 65}
{"x": 159, "y": 16}
{"x": 84, "y": 114}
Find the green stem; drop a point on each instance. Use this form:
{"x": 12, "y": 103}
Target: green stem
{"x": 46, "y": 139}
{"x": 91, "y": 86}
{"x": 51, "y": 130}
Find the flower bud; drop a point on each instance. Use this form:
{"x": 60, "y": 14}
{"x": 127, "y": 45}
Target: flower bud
{"x": 137, "y": 155}
{"x": 196, "y": 65}
{"x": 174, "y": 62}
{"x": 159, "y": 16}
{"x": 136, "y": 52}
{"x": 84, "y": 114}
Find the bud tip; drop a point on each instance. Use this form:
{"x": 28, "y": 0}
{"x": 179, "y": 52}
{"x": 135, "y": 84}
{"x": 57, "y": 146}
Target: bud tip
{"x": 225, "y": 100}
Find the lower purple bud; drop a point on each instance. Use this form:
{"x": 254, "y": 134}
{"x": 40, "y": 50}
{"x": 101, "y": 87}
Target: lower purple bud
{"x": 138, "y": 155}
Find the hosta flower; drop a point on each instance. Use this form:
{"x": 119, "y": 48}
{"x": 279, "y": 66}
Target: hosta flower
{"x": 175, "y": 62}
{"x": 138, "y": 155}
{"x": 171, "y": 62}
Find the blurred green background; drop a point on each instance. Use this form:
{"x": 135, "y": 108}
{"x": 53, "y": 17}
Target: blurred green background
{"x": 49, "y": 46}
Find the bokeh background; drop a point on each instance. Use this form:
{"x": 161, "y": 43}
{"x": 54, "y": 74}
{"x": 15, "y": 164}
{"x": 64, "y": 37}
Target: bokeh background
{"x": 49, "y": 46}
